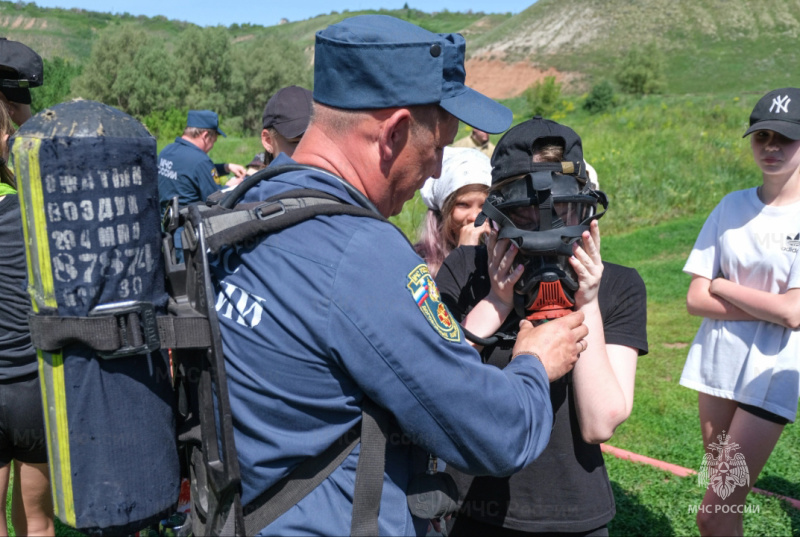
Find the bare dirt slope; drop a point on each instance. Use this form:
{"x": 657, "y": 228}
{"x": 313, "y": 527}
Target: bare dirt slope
{"x": 508, "y": 58}
{"x": 500, "y": 80}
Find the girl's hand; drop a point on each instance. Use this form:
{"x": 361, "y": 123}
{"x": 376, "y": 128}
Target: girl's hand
{"x": 502, "y": 272}
{"x": 588, "y": 265}
{"x": 469, "y": 235}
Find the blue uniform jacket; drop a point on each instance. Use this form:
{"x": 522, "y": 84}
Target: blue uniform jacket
{"x": 334, "y": 309}
{"x": 186, "y": 171}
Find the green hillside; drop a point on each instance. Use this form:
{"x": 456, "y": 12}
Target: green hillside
{"x": 710, "y": 45}
{"x": 70, "y": 33}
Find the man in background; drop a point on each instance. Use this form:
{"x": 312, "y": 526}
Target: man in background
{"x": 477, "y": 140}
{"x": 184, "y": 167}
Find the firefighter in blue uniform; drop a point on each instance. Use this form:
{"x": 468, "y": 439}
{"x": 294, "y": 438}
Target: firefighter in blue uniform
{"x": 184, "y": 168}
{"x": 324, "y": 314}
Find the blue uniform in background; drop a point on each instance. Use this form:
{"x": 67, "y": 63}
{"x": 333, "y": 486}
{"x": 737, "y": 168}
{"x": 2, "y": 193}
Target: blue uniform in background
{"x": 323, "y": 314}
{"x": 186, "y": 171}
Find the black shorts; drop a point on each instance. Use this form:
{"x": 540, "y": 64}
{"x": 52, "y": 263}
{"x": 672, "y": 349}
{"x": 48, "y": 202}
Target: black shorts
{"x": 22, "y": 434}
{"x": 764, "y": 414}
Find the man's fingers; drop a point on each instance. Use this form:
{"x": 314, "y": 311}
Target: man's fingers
{"x": 581, "y": 331}
{"x": 573, "y": 320}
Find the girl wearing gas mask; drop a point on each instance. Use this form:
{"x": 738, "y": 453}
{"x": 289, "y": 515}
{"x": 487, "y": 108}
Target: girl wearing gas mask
{"x": 541, "y": 260}
{"x": 454, "y": 201}
{"x": 746, "y": 284}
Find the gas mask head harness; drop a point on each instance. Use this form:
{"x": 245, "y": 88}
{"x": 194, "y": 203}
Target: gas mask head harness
{"x": 543, "y": 208}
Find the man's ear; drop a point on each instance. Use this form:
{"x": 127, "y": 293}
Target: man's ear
{"x": 394, "y": 134}
{"x": 267, "y": 141}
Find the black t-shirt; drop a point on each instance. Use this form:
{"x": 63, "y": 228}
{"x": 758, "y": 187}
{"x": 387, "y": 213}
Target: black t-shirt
{"x": 17, "y": 355}
{"x": 566, "y": 489}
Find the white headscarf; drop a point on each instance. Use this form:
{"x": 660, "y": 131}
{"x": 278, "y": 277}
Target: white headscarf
{"x": 461, "y": 166}
{"x": 591, "y": 174}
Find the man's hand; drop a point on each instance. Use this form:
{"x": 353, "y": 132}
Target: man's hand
{"x": 237, "y": 170}
{"x": 557, "y": 343}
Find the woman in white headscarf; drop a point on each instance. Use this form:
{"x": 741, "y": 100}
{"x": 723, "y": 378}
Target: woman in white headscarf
{"x": 454, "y": 201}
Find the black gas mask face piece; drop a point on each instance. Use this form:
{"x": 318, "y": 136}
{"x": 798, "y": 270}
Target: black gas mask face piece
{"x": 544, "y": 213}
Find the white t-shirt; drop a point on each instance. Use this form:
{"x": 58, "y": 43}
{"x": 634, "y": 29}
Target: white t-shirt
{"x": 753, "y": 362}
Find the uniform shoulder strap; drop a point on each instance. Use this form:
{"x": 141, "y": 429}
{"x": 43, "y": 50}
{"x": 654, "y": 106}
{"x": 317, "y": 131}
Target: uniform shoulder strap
{"x": 226, "y": 227}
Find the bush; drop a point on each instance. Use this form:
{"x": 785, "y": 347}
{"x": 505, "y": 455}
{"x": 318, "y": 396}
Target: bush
{"x": 138, "y": 73}
{"x": 641, "y": 72}
{"x": 261, "y": 67}
{"x": 126, "y": 69}
{"x": 544, "y": 97}
{"x": 58, "y": 75}
{"x": 600, "y": 98}
{"x": 166, "y": 124}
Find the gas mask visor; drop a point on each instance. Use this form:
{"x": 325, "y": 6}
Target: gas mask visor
{"x": 544, "y": 213}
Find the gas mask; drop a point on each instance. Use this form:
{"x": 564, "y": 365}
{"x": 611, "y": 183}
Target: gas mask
{"x": 544, "y": 213}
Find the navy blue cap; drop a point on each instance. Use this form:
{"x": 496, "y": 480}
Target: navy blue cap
{"x": 204, "y": 119}
{"x": 377, "y": 61}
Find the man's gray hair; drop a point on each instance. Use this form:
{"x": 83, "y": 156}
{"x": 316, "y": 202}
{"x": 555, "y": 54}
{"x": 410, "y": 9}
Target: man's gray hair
{"x": 196, "y": 132}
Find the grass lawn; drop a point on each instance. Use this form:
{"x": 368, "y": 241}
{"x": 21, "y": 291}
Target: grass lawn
{"x": 664, "y": 423}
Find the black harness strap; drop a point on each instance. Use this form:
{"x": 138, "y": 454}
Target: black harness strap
{"x": 133, "y": 328}
{"x": 370, "y": 470}
{"x": 372, "y": 433}
{"x": 287, "y": 492}
{"x": 226, "y": 227}
{"x": 116, "y": 334}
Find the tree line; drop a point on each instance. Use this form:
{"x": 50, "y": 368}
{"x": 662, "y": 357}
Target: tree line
{"x": 158, "y": 81}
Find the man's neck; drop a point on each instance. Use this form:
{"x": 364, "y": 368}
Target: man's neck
{"x": 197, "y": 142}
{"x": 317, "y": 148}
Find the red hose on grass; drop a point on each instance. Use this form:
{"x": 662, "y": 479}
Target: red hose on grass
{"x": 680, "y": 470}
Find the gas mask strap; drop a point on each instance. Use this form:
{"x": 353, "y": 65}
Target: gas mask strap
{"x": 602, "y": 199}
{"x": 493, "y": 213}
{"x": 542, "y": 184}
{"x": 520, "y": 306}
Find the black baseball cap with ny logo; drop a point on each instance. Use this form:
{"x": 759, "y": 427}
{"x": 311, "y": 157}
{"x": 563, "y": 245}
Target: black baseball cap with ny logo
{"x": 779, "y": 111}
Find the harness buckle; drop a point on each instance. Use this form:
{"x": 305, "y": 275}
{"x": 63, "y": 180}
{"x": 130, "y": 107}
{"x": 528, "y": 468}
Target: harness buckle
{"x": 270, "y": 210}
{"x": 137, "y": 326}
